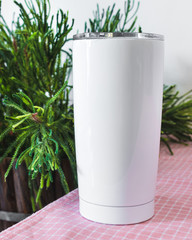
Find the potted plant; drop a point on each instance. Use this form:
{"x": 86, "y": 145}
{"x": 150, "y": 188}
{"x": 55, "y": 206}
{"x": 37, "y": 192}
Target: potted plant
{"x": 36, "y": 119}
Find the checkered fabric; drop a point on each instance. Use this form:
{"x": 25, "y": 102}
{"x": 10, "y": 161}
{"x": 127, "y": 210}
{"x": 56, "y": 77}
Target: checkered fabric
{"x": 172, "y": 220}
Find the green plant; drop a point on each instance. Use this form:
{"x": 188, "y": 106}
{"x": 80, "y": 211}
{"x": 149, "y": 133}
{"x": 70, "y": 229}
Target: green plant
{"x": 39, "y": 122}
{"x": 176, "y": 116}
{"x": 110, "y": 21}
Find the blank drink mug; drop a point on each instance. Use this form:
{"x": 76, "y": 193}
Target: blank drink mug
{"x": 118, "y": 84}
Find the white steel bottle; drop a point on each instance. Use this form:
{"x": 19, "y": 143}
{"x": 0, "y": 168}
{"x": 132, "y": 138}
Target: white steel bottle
{"x": 118, "y": 82}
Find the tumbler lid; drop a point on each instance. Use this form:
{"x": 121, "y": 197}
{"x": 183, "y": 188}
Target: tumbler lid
{"x": 101, "y": 35}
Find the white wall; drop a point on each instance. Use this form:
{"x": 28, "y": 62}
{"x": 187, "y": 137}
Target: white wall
{"x": 172, "y": 18}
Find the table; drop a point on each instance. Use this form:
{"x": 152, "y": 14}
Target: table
{"x": 172, "y": 220}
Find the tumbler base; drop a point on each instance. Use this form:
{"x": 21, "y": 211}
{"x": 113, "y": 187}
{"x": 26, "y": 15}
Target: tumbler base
{"x": 116, "y": 215}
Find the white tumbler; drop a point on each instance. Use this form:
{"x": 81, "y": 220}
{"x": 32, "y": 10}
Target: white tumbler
{"x": 118, "y": 83}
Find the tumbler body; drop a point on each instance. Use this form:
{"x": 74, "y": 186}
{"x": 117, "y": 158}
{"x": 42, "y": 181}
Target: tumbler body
{"x": 118, "y": 86}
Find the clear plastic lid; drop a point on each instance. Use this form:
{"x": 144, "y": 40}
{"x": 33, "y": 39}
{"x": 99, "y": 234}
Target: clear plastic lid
{"x": 101, "y": 35}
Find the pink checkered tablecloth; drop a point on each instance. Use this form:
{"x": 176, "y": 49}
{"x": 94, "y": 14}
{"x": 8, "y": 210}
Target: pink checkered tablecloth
{"x": 172, "y": 220}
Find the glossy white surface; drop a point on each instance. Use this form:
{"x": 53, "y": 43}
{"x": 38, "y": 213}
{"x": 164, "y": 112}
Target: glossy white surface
{"x": 117, "y": 103}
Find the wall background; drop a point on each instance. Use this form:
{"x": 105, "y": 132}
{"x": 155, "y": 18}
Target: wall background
{"x": 171, "y": 18}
